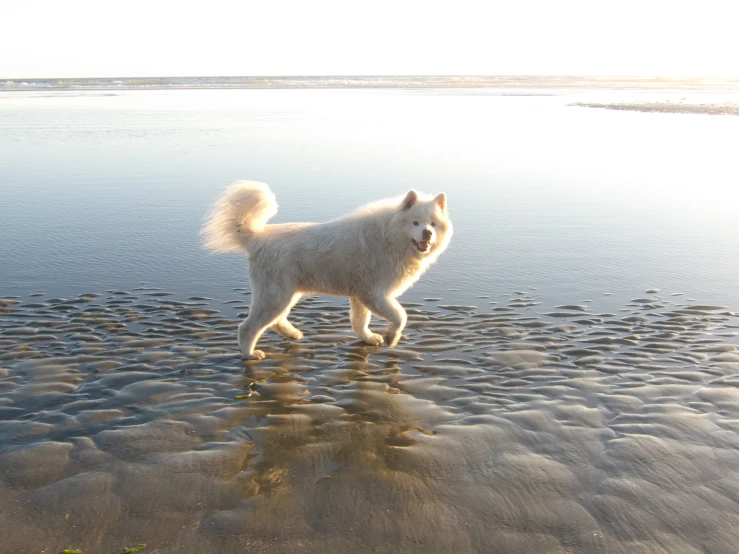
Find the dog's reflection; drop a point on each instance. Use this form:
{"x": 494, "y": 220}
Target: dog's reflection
{"x": 329, "y": 442}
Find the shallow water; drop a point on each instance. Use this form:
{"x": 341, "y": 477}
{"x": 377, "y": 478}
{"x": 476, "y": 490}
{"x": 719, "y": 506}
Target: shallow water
{"x": 107, "y": 189}
{"x": 567, "y": 381}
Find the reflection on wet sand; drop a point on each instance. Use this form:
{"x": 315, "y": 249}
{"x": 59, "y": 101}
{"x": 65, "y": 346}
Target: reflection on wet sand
{"x": 130, "y": 419}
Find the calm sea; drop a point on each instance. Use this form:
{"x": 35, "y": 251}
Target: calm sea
{"x": 106, "y": 189}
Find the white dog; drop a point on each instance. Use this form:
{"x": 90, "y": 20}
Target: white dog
{"x": 372, "y": 256}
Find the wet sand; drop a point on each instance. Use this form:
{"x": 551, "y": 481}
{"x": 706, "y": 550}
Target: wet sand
{"x": 129, "y": 418}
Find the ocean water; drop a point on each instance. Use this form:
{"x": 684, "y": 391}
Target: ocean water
{"x": 567, "y": 381}
{"x": 107, "y": 189}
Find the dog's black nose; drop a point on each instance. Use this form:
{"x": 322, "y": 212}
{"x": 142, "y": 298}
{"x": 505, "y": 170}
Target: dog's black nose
{"x": 426, "y": 235}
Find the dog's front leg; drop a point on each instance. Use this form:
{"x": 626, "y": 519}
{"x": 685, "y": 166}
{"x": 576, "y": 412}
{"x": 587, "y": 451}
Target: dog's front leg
{"x": 359, "y": 316}
{"x": 390, "y": 309}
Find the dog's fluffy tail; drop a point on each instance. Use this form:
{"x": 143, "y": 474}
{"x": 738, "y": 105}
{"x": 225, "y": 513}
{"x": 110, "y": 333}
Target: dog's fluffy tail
{"x": 238, "y": 216}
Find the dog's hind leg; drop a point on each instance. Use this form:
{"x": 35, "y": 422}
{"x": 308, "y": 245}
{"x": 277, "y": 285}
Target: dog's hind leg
{"x": 267, "y": 307}
{"x": 283, "y": 326}
{"x": 360, "y": 318}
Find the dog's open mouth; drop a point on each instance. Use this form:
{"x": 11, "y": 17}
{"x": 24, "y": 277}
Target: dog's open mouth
{"x": 421, "y": 245}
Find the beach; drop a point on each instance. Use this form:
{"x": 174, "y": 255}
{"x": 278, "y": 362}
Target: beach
{"x": 129, "y": 418}
{"x": 567, "y": 381}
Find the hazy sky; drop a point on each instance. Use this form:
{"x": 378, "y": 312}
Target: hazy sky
{"x": 88, "y": 38}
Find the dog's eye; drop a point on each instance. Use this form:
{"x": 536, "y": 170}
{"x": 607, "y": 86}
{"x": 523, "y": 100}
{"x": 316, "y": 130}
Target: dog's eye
{"x": 415, "y": 223}
{"x": 433, "y": 224}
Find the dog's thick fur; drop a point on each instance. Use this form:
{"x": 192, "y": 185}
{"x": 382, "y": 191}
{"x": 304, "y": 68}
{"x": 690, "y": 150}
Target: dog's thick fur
{"x": 372, "y": 256}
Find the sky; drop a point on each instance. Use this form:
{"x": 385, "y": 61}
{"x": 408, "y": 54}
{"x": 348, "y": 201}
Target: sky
{"x": 93, "y": 38}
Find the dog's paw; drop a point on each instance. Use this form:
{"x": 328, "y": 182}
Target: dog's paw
{"x": 373, "y": 339}
{"x": 256, "y": 355}
{"x": 392, "y": 339}
{"x": 297, "y": 335}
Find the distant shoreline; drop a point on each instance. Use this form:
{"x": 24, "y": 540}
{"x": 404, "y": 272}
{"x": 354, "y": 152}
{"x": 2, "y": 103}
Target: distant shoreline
{"x": 727, "y": 108}
{"x": 513, "y": 83}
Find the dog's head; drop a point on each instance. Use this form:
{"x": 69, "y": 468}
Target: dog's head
{"x": 426, "y": 223}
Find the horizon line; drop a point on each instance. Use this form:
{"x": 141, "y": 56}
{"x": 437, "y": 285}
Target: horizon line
{"x": 614, "y": 76}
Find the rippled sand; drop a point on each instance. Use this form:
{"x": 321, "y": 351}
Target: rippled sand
{"x": 129, "y": 418}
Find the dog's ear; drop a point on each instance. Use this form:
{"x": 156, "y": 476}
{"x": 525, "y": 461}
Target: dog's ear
{"x": 440, "y": 200}
{"x": 410, "y": 199}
